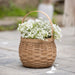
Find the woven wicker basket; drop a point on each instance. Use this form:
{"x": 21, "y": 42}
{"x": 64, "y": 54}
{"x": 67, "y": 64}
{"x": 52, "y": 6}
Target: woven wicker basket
{"x": 37, "y": 53}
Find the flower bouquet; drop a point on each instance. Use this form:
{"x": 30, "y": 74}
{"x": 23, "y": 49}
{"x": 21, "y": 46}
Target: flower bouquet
{"x": 39, "y": 29}
{"x": 37, "y": 48}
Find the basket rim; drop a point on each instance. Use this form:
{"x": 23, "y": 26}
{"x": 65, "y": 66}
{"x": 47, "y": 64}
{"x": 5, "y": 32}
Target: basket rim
{"x": 36, "y": 40}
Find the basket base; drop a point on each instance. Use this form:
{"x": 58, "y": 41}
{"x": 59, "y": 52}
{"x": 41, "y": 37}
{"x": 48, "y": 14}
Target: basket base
{"x": 37, "y": 67}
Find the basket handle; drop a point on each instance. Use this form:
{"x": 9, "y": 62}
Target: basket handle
{"x": 45, "y": 15}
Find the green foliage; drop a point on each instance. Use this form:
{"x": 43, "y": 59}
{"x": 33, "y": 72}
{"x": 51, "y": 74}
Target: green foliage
{"x": 57, "y": 11}
{"x": 54, "y": 20}
{"x": 11, "y": 27}
{"x": 4, "y": 28}
{"x": 12, "y": 10}
{"x": 40, "y": 1}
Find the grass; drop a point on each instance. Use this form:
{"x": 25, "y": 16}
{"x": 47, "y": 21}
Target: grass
{"x": 5, "y": 28}
{"x": 9, "y": 27}
{"x": 15, "y": 11}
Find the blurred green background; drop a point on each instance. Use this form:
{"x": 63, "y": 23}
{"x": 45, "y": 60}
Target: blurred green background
{"x": 18, "y": 8}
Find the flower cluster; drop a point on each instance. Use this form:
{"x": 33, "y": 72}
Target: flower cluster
{"x": 39, "y": 29}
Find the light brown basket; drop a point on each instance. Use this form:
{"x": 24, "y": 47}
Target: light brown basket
{"x": 37, "y": 53}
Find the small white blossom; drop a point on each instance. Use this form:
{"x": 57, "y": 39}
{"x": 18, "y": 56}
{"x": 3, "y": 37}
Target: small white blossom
{"x": 39, "y": 29}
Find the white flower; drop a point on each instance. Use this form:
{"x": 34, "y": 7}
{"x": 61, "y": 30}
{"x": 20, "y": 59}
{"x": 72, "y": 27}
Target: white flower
{"x": 30, "y": 21}
{"x": 39, "y": 29}
{"x": 37, "y": 20}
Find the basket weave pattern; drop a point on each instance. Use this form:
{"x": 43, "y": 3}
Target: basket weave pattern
{"x": 37, "y": 55}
